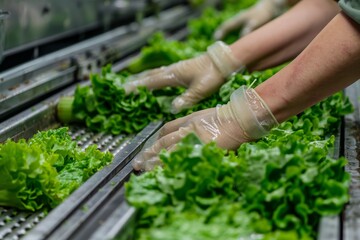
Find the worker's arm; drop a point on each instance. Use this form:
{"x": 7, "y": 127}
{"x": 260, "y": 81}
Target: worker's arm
{"x": 330, "y": 63}
{"x": 286, "y": 36}
{"x": 253, "y": 17}
{"x": 271, "y": 44}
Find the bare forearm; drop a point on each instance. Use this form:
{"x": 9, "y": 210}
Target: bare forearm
{"x": 285, "y": 37}
{"x": 330, "y": 63}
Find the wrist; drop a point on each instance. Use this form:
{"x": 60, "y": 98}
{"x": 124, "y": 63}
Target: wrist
{"x": 251, "y": 113}
{"x": 224, "y": 59}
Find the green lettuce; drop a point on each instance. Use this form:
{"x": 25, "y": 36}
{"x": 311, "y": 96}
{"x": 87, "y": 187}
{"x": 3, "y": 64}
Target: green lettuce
{"x": 279, "y": 187}
{"x": 41, "y": 172}
{"x": 275, "y": 189}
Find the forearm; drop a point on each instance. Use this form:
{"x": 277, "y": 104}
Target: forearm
{"x": 330, "y": 63}
{"x": 286, "y": 36}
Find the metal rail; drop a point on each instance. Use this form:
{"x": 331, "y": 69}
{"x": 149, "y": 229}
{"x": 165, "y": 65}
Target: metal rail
{"x": 351, "y": 216}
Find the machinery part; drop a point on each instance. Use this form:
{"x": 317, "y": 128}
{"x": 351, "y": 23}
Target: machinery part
{"x": 351, "y": 216}
{"x": 22, "y": 85}
{"x": 3, "y": 16}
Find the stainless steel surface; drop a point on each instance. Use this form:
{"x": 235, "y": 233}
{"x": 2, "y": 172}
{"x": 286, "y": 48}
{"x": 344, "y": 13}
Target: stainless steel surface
{"x": 34, "y": 20}
{"x": 25, "y": 83}
{"x": 83, "y": 223}
{"x": 3, "y": 16}
{"x": 120, "y": 224}
{"x": 34, "y": 79}
{"x": 330, "y": 226}
{"x": 27, "y": 123}
{"x": 15, "y": 224}
{"x": 351, "y": 216}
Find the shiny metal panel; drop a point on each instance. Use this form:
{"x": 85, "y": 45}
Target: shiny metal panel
{"x": 351, "y": 216}
{"x": 34, "y": 79}
{"x": 3, "y": 16}
{"x": 32, "y": 20}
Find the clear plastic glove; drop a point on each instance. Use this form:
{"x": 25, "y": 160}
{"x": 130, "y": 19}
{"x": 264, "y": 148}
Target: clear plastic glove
{"x": 202, "y": 76}
{"x": 244, "y": 118}
{"x": 252, "y": 18}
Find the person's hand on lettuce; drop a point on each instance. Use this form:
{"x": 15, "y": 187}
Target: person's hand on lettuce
{"x": 244, "y": 118}
{"x": 202, "y": 76}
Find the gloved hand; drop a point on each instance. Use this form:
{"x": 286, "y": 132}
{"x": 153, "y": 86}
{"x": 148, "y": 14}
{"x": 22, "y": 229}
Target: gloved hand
{"x": 244, "y": 118}
{"x": 252, "y": 18}
{"x": 202, "y": 76}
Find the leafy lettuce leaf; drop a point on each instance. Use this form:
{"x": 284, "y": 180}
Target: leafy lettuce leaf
{"x": 41, "y": 172}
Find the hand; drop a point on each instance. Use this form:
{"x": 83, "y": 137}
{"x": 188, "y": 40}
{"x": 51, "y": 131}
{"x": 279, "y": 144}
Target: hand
{"x": 245, "y": 118}
{"x": 202, "y": 76}
{"x": 252, "y": 18}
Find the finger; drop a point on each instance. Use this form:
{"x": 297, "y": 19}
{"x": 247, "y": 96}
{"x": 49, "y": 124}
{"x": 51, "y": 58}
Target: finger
{"x": 157, "y": 79}
{"x": 133, "y": 81}
{"x": 147, "y": 73}
{"x": 138, "y": 164}
{"x": 155, "y": 161}
{"x": 152, "y": 163}
{"x": 166, "y": 142}
{"x": 176, "y": 124}
{"x": 231, "y": 25}
{"x": 186, "y": 100}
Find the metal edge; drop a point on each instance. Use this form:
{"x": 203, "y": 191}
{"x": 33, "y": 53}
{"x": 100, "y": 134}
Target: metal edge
{"x": 38, "y": 115}
{"x": 120, "y": 223}
{"x": 36, "y": 90}
{"x": 89, "y": 217}
{"x": 351, "y": 215}
{"x": 330, "y": 226}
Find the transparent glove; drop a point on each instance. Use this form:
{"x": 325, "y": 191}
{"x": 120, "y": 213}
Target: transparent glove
{"x": 202, "y": 76}
{"x": 252, "y": 18}
{"x": 244, "y": 118}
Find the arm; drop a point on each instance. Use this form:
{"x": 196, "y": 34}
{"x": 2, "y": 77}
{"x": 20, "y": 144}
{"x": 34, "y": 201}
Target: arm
{"x": 330, "y": 63}
{"x": 254, "y": 17}
{"x": 286, "y": 36}
{"x": 270, "y": 45}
